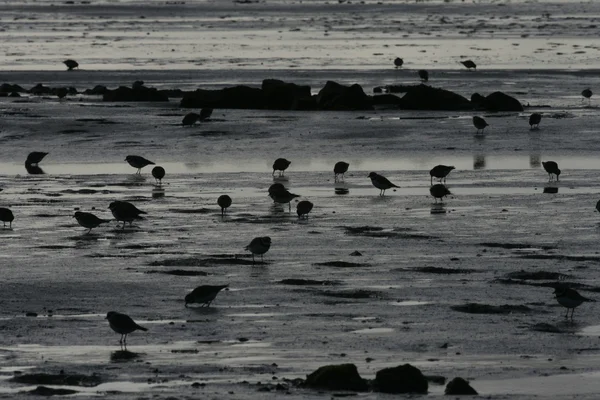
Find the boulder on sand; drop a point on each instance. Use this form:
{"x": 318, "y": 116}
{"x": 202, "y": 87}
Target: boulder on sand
{"x": 237, "y": 97}
{"x": 424, "y": 97}
{"x": 137, "y": 93}
{"x": 499, "y": 101}
{"x": 336, "y": 377}
{"x": 280, "y": 95}
{"x": 459, "y": 386}
{"x": 337, "y": 97}
{"x": 401, "y": 379}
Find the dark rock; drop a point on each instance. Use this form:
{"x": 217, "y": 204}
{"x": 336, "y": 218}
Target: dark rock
{"x": 401, "y": 379}
{"x": 280, "y": 95}
{"x": 337, "y": 97}
{"x": 459, "y": 386}
{"x": 499, "y": 101}
{"x": 476, "y": 308}
{"x": 341, "y": 264}
{"x": 356, "y": 253}
{"x": 9, "y": 88}
{"x": 477, "y": 100}
{"x": 40, "y": 89}
{"x": 536, "y": 275}
{"x": 14, "y": 94}
{"x": 336, "y": 377}
{"x": 437, "y": 379}
{"x": 237, "y": 97}
{"x": 58, "y": 379}
{"x": 140, "y": 93}
{"x": 306, "y": 282}
{"x": 442, "y": 270}
{"x": 386, "y": 99}
{"x": 378, "y": 89}
{"x": 424, "y": 97}
{"x": 31, "y": 314}
{"x": 173, "y": 93}
{"x": 46, "y": 391}
{"x": 97, "y": 90}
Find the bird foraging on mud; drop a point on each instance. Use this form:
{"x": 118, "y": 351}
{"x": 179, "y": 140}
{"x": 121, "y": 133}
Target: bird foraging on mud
{"x": 89, "y": 220}
{"x": 71, "y": 64}
{"x": 205, "y": 114}
{"x": 125, "y": 211}
{"x": 479, "y": 123}
{"x": 303, "y": 208}
{"x": 440, "y": 172}
{"x": 190, "y": 119}
{"x": 35, "y": 157}
{"x": 587, "y": 94}
{"x": 138, "y": 162}
{"x": 424, "y": 75}
{"x": 469, "y": 64}
{"x": 259, "y": 246}
{"x": 6, "y": 215}
{"x": 123, "y": 324}
{"x": 398, "y": 62}
{"x": 224, "y": 202}
{"x": 551, "y": 168}
{"x": 203, "y": 295}
{"x": 381, "y": 182}
{"x": 158, "y": 173}
{"x": 534, "y": 121}
{"x": 569, "y": 298}
{"x": 281, "y": 164}
{"x": 282, "y": 196}
{"x": 339, "y": 169}
{"x": 439, "y": 191}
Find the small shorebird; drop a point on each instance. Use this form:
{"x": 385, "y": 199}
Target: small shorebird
{"x": 281, "y": 164}
{"x": 469, "y": 64}
{"x": 398, "y": 62}
{"x": 224, "y": 202}
{"x": 35, "y": 157}
{"x": 89, "y": 220}
{"x": 205, "y": 114}
{"x": 587, "y": 94}
{"x": 125, "y": 211}
{"x": 190, "y": 119}
{"x": 259, "y": 246}
{"x": 479, "y": 123}
{"x": 71, "y": 64}
{"x": 158, "y": 173}
{"x": 138, "y": 162}
{"x": 534, "y": 121}
{"x": 203, "y": 295}
{"x": 282, "y": 196}
{"x": 381, "y": 182}
{"x": 340, "y": 168}
{"x": 424, "y": 75}
{"x": 439, "y": 191}
{"x": 303, "y": 208}
{"x": 6, "y": 216}
{"x": 551, "y": 168}
{"x": 440, "y": 172}
{"x": 598, "y": 206}
{"x": 569, "y": 298}
{"x": 123, "y": 324}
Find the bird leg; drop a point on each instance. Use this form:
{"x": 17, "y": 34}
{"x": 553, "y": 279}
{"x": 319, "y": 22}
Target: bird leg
{"x": 290, "y": 206}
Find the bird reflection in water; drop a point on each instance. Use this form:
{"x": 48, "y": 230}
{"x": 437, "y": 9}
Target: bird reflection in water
{"x": 341, "y": 188}
{"x": 479, "y": 161}
{"x": 33, "y": 169}
{"x": 123, "y": 355}
{"x": 438, "y": 208}
{"x": 158, "y": 192}
{"x": 550, "y": 189}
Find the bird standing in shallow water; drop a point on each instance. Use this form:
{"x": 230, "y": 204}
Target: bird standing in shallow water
{"x": 469, "y": 64}
{"x": 440, "y": 172}
{"x": 381, "y": 182}
{"x": 340, "y": 168}
{"x": 303, "y": 208}
{"x": 35, "y": 157}
{"x": 424, "y": 75}
{"x": 138, "y": 162}
{"x": 551, "y": 168}
{"x": 123, "y": 324}
{"x": 89, "y": 220}
{"x": 480, "y": 124}
{"x": 398, "y": 62}
{"x": 281, "y": 164}
{"x": 439, "y": 191}
{"x": 587, "y": 94}
{"x": 158, "y": 173}
{"x": 71, "y": 64}
{"x": 569, "y": 298}
{"x": 190, "y": 119}
{"x": 259, "y": 246}
{"x": 203, "y": 295}
{"x": 282, "y": 196}
{"x": 534, "y": 121}
{"x": 125, "y": 211}
{"x": 6, "y": 216}
{"x": 224, "y": 202}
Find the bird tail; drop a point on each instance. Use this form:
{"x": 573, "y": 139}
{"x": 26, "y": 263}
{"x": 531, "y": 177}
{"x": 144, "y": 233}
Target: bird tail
{"x": 141, "y": 328}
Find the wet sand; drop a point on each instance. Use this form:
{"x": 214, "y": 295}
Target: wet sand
{"x": 398, "y": 303}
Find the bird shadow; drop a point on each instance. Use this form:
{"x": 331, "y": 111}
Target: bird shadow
{"x": 341, "y": 188}
{"x": 438, "y": 208}
{"x": 158, "y": 192}
{"x": 123, "y": 355}
{"x": 203, "y": 310}
{"x": 550, "y": 189}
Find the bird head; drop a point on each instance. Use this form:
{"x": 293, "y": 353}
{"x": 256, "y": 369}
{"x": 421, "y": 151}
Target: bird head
{"x": 188, "y": 299}
{"x": 110, "y": 314}
{"x": 451, "y": 167}
{"x": 266, "y": 240}
{"x": 372, "y": 175}
{"x": 113, "y": 205}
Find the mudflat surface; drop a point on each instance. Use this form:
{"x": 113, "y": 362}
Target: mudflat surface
{"x": 500, "y": 240}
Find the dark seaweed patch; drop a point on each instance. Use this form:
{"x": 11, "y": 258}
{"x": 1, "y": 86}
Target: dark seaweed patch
{"x": 191, "y": 210}
{"x": 199, "y": 262}
{"x": 559, "y": 257}
{"x": 307, "y": 282}
{"x": 536, "y": 275}
{"x": 442, "y": 270}
{"x": 58, "y": 379}
{"x": 341, "y": 264}
{"x": 477, "y": 308}
{"x": 353, "y": 294}
{"x": 178, "y": 272}
{"x": 516, "y": 246}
